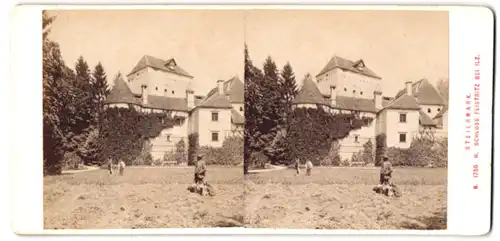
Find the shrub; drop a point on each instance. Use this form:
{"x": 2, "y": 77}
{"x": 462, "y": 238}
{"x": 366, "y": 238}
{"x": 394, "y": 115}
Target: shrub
{"x": 441, "y": 149}
{"x": 71, "y": 161}
{"x": 180, "y": 152}
{"x": 398, "y": 156}
{"x": 193, "y": 146}
{"x": 169, "y": 157}
{"x": 345, "y": 162}
{"x": 258, "y": 160}
{"x": 357, "y": 157}
{"x": 231, "y": 152}
{"x": 144, "y": 157}
{"x": 380, "y": 148}
{"x": 426, "y": 150}
{"x": 367, "y": 155}
{"x": 333, "y": 158}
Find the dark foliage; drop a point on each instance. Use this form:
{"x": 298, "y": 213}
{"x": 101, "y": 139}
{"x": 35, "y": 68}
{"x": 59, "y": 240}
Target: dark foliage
{"x": 380, "y": 148}
{"x": 193, "y": 146}
{"x": 312, "y": 132}
{"x": 125, "y": 130}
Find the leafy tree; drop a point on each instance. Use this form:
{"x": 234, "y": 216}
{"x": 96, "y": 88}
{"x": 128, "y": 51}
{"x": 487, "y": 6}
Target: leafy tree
{"x": 193, "y": 146}
{"x": 100, "y": 87}
{"x": 368, "y": 152}
{"x": 380, "y": 149}
{"x": 289, "y": 86}
{"x": 180, "y": 151}
{"x": 47, "y": 21}
{"x": 253, "y": 98}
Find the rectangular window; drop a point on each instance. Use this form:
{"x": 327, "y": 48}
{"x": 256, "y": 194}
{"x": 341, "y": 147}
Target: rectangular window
{"x": 215, "y": 116}
{"x": 402, "y": 137}
{"x": 168, "y": 138}
{"x": 215, "y": 136}
{"x": 402, "y": 117}
{"x": 356, "y": 138}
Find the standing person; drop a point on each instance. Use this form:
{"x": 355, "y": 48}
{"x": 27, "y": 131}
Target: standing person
{"x": 297, "y": 168}
{"x": 386, "y": 171}
{"x": 199, "y": 170}
{"x": 110, "y": 166}
{"x": 121, "y": 165}
{"x": 309, "y": 167}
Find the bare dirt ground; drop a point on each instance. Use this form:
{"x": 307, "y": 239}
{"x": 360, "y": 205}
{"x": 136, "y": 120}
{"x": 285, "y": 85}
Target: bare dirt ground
{"x": 342, "y": 198}
{"x": 142, "y": 198}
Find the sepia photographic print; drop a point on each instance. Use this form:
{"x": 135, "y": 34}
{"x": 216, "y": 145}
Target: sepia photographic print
{"x": 143, "y": 119}
{"x": 346, "y": 119}
{"x": 253, "y": 120}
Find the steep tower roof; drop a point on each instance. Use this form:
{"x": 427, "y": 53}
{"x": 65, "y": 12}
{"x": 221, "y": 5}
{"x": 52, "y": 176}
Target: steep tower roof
{"x": 120, "y": 93}
{"x": 309, "y": 93}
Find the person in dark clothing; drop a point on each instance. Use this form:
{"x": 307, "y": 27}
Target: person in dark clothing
{"x": 110, "y": 166}
{"x": 386, "y": 171}
{"x": 199, "y": 170}
{"x": 297, "y": 168}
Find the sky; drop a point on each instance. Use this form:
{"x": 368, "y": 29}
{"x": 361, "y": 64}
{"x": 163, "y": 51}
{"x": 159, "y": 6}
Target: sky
{"x": 207, "y": 44}
{"x": 397, "y": 45}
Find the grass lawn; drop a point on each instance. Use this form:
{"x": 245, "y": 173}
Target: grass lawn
{"x": 142, "y": 198}
{"x": 342, "y": 198}
{"x": 332, "y": 198}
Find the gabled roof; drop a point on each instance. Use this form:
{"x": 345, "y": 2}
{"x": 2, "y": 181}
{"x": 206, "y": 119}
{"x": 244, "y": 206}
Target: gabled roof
{"x": 425, "y": 120}
{"x": 235, "y": 90}
{"x": 159, "y": 64}
{"x": 345, "y": 64}
{"x": 352, "y": 103}
{"x": 425, "y": 93}
{"x": 442, "y": 112}
{"x": 309, "y": 94}
{"x": 404, "y": 102}
{"x": 166, "y": 103}
{"x": 237, "y": 118}
{"x": 215, "y": 100}
{"x": 120, "y": 93}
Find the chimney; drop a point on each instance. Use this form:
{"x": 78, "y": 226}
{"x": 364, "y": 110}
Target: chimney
{"x": 377, "y": 98}
{"x": 408, "y": 88}
{"x": 333, "y": 95}
{"x": 144, "y": 94}
{"x": 220, "y": 85}
{"x": 190, "y": 98}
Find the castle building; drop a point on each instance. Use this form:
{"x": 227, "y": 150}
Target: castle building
{"x": 345, "y": 86}
{"x": 155, "y": 85}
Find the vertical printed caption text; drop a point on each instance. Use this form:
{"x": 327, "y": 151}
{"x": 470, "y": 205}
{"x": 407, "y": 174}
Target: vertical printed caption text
{"x": 472, "y": 121}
